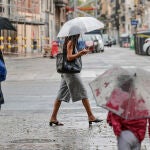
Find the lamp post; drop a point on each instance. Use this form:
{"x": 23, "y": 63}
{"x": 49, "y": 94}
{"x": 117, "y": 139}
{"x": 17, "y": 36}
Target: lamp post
{"x": 135, "y": 13}
{"x": 117, "y": 7}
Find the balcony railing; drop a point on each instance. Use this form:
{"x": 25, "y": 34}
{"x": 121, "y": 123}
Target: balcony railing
{"x": 122, "y": 18}
{"x": 61, "y": 3}
{"x": 122, "y": 1}
{"x": 112, "y": 1}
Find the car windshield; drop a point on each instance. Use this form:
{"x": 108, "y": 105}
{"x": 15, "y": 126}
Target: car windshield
{"x": 89, "y": 37}
{"x": 99, "y": 37}
{"x": 105, "y": 36}
{"x": 86, "y": 37}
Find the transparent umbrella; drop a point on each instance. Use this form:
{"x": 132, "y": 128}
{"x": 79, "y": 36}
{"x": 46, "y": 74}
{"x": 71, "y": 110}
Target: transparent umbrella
{"x": 80, "y": 25}
{"x": 125, "y": 92}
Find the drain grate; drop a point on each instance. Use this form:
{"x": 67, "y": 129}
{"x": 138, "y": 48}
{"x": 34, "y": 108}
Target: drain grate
{"x": 33, "y": 141}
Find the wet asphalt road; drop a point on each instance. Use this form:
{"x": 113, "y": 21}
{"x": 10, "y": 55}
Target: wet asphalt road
{"x": 30, "y": 91}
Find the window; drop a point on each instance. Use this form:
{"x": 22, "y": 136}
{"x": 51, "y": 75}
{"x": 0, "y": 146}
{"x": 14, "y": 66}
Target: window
{"x": 47, "y": 4}
{"x": 1, "y": 7}
{"x": 51, "y": 6}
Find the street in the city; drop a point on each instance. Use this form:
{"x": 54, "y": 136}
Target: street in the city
{"x": 30, "y": 90}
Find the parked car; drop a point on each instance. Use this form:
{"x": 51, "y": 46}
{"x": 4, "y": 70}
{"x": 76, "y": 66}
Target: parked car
{"x": 146, "y": 46}
{"x": 113, "y": 40}
{"x": 93, "y": 41}
{"x": 124, "y": 40}
{"x": 98, "y": 42}
{"x": 89, "y": 43}
{"x": 107, "y": 40}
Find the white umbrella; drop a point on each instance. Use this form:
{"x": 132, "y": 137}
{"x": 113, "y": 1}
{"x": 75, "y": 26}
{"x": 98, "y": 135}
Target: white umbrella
{"x": 80, "y": 25}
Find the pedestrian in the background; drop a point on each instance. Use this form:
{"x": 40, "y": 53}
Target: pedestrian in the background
{"x": 71, "y": 84}
{"x": 129, "y": 133}
{"x": 1, "y": 93}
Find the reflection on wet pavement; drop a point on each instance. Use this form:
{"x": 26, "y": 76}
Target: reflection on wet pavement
{"x": 28, "y": 130}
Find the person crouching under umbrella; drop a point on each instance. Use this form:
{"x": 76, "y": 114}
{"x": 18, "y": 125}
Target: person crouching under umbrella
{"x": 129, "y": 133}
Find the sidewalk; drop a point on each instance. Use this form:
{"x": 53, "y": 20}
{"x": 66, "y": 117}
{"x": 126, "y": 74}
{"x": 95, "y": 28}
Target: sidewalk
{"x": 24, "y": 56}
{"x": 29, "y": 92}
{"x": 29, "y": 130}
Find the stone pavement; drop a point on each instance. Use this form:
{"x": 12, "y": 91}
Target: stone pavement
{"x": 29, "y": 130}
{"x": 24, "y": 56}
{"x": 29, "y": 93}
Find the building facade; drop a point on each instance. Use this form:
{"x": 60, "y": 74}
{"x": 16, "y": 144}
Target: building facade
{"x": 60, "y": 13}
{"x": 37, "y": 23}
{"x": 25, "y": 15}
{"x": 119, "y": 14}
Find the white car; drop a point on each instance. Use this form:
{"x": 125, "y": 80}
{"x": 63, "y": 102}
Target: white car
{"x": 99, "y": 44}
{"x": 89, "y": 43}
{"x": 146, "y": 46}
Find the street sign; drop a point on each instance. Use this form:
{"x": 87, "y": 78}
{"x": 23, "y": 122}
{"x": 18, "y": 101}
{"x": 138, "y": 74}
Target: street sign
{"x": 134, "y": 22}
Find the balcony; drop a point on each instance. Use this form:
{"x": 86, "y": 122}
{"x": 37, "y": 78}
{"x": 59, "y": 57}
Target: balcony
{"x": 122, "y": 18}
{"x": 113, "y": 15}
{"x": 24, "y": 20}
{"x": 61, "y": 3}
{"x": 122, "y": 1}
{"x": 112, "y": 1}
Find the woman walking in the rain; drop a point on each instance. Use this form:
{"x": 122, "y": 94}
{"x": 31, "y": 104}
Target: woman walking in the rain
{"x": 1, "y": 94}
{"x": 71, "y": 84}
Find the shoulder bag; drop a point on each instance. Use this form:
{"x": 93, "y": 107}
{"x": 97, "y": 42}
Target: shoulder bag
{"x": 65, "y": 66}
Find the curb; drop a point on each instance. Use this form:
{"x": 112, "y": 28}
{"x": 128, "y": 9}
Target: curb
{"x": 23, "y": 57}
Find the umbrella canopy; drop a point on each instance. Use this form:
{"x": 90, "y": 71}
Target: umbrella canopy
{"x": 6, "y": 24}
{"x": 80, "y": 25}
{"x": 124, "y": 92}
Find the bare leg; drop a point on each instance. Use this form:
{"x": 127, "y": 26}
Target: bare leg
{"x": 87, "y": 106}
{"x": 91, "y": 117}
{"x": 55, "y": 110}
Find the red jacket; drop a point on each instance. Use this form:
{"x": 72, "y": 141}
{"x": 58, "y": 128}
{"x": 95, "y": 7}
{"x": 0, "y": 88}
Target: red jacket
{"x": 137, "y": 127}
